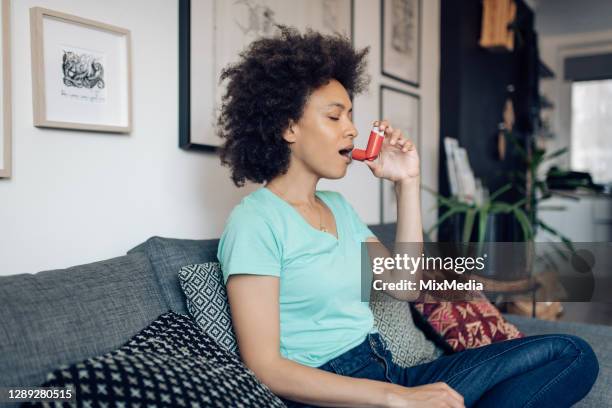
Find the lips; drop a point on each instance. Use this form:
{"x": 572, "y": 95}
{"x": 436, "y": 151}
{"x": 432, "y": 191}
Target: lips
{"x": 346, "y": 152}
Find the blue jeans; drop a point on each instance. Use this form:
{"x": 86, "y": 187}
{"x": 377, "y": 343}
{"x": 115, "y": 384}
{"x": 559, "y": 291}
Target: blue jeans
{"x": 553, "y": 370}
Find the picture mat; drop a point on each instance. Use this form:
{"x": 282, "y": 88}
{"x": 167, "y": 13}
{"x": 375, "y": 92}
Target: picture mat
{"x": 204, "y": 84}
{"x": 395, "y": 63}
{"x": 113, "y": 46}
{"x": 402, "y": 110}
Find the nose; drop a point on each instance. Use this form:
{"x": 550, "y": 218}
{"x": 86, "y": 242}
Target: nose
{"x": 352, "y": 131}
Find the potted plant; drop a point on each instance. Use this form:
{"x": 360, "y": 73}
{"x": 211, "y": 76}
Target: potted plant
{"x": 476, "y": 237}
{"x": 533, "y": 187}
{"x": 480, "y": 214}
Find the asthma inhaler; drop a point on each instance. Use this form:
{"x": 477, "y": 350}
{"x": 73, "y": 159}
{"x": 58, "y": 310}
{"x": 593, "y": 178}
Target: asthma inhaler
{"x": 374, "y": 145}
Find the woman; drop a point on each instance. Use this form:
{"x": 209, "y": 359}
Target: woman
{"x": 290, "y": 253}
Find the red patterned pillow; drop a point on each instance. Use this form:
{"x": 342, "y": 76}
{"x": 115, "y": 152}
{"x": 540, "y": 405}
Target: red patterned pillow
{"x": 467, "y": 324}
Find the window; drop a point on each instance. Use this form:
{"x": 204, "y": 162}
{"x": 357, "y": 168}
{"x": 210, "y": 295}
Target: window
{"x": 591, "y": 146}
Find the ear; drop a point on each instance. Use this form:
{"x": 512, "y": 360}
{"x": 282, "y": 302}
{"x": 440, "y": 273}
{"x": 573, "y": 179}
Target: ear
{"x": 291, "y": 133}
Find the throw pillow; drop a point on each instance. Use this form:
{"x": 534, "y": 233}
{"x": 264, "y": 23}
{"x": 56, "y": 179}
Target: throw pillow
{"x": 408, "y": 344}
{"x": 207, "y": 302}
{"x": 467, "y": 324}
{"x": 170, "y": 363}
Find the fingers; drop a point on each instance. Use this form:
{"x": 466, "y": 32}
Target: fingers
{"x": 385, "y": 127}
{"x": 382, "y": 124}
{"x": 394, "y": 136}
{"x": 430, "y": 395}
{"x": 397, "y": 139}
{"x": 454, "y": 398}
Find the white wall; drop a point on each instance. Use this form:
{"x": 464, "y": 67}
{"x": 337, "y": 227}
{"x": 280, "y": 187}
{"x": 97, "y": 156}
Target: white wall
{"x": 77, "y": 197}
{"x": 577, "y": 220}
{"x": 569, "y": 28}
{"x": 554, "y": 49}
{"x": 360, "y": 186}
{"x": 561, "y": 17}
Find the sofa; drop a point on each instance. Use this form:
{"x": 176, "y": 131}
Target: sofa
{"x": 64, "y": 316}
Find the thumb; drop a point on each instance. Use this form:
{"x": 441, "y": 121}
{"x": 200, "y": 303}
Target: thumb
{"x": 371, "y": 165}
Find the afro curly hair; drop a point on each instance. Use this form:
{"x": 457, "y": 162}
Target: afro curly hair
{"x": 269, "y": 86}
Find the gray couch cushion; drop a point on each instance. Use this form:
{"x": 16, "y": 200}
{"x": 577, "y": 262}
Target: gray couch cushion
{"x": 168, "y": 256}
{"x": 600, "y": 339}
{"x": 385, "y": 234}
{"x": 63, "y": 316}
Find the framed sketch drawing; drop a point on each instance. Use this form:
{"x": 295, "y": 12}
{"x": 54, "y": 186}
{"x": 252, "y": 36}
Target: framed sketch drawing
{"x": 401, "y": 40}
{"x": 403, "y": 110}
{"x": 5, "y": 94}
{"x": 81, "y": 73}
{"x": 211, "y": 35}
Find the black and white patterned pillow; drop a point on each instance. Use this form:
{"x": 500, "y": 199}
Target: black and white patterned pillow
{"x": 207, "y": 302}
{"x": 171, "y": 363}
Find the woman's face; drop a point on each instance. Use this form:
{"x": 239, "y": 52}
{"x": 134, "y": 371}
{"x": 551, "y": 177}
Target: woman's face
{"x": 323, "y": 131}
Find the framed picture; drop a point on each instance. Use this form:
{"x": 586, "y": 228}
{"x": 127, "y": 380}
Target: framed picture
{"x": 211, "y": 35}
{"x": 401, "y": 40}
{"x": 81, "y": 73}
{"x": 403, "y": 110}
{"x": 5, "y": 93}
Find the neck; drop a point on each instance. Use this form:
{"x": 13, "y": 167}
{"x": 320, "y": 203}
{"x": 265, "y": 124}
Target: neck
{"x": 297, "y": 186}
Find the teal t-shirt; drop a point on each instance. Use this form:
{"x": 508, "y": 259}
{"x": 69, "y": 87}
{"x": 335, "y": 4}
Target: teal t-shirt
{"x": 321, "y": 311}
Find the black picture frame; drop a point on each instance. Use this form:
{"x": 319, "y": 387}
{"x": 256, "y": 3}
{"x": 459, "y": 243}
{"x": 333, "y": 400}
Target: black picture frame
{"x": 385, "y": 70}
{"x": 418, "y": 140}
{"x": 184, "y": 50}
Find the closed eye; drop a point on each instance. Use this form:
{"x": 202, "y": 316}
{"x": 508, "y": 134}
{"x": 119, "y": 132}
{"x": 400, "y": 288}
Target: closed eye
{"x": 332, "y": 118}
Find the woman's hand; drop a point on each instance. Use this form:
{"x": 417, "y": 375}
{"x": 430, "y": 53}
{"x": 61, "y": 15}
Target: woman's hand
{"x": 424, "y": 396}
{"x": 398, "y": 159}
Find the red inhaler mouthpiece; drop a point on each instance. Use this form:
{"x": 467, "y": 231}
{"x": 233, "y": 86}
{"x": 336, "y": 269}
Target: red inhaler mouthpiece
{"x": 358, "y": 154}
{"x": 374, "y": 145}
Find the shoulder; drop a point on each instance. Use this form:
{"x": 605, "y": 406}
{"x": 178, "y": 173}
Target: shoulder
{"x": 249, "y": 230}
{"x": 245, "y": 217}
{"x": 253, "y": 212}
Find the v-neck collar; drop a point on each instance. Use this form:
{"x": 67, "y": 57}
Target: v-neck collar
{"x": 324, "y": 201}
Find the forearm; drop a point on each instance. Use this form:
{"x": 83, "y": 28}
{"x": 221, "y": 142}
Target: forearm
{"x": 409, "y": 223}
{"x": 408, "y": 235}
{"x": 309, "y": 385}
{"x": 408, "y": 241}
